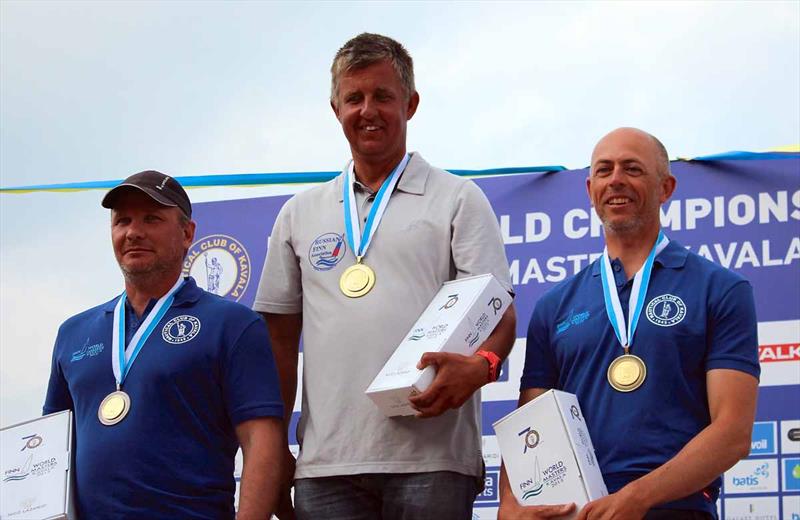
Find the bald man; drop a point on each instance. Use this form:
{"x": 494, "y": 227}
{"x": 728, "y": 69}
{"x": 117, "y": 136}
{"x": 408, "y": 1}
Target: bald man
{"x": 669, "y": 397}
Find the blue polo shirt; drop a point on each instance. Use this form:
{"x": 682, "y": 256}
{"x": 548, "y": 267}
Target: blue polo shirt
{"x": 206, "y": 368}
{"x": 697, "y": 317}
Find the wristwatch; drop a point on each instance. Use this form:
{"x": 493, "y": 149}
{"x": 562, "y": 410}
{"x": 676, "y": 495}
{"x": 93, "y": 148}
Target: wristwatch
{"x": 494, "y": 363}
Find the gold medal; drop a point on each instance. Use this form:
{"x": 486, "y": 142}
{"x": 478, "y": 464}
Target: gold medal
{"x": 627, "y": 372}
{"x": 357, "y": 280}
{"x": 114, "y": 408}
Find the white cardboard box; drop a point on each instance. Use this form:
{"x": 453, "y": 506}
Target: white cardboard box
{"x": 34, "y": 469}
{"x": 458, "y": 319}
{"x": 548, "y": 453}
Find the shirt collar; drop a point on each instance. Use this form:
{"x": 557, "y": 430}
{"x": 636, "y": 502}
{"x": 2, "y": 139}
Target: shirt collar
{"x": 412, "y": 181}
{"x": 188, "y": 293}
{"x": 673, "y": 256}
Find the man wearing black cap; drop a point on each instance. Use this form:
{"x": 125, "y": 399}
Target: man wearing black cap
{"x": 166, "y": 381}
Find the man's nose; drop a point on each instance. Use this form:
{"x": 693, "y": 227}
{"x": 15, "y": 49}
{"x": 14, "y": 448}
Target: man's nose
{"x": 618, "y": 175}
{"x": 368, "y": 108}
{"x": 135, "y": 231}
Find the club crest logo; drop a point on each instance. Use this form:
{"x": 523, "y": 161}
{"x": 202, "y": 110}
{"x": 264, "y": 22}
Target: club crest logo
{"x": 666, "y": 310}
{"x": 180, "y": 329}
{"x": 326, "y": 251}
{"x": 220, "y": 265}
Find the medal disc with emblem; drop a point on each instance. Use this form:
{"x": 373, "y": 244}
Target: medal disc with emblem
{"x": 627, "y": 373}
{"x": 357, "y": 280}
{"x": 114, "y": 408}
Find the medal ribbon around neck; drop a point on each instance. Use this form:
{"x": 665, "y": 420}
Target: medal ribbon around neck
{"x": 122, "y": 358}
{"x": 359, "y": 243}
{"x": 638, "y": 293}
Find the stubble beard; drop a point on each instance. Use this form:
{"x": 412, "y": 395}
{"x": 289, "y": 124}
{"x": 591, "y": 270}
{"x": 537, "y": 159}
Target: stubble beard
{"x": 623, "y": 227}
{"x": 147, "y": 274}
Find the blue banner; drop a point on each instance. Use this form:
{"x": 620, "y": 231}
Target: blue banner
{"x": 742, "y": 214}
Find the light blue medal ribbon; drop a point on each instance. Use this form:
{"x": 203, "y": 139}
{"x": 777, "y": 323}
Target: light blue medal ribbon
{"x": 638, "y": 294}
{"x": 122, "y": 357}
{"x": 358, "y": 242}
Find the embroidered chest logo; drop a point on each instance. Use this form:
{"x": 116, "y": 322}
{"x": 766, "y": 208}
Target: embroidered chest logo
{"x": 572, "y": 320}
{"x": 180, "y": 329}
{"x": 87, "y": 351}
{"x": 666, "y": 310}
{"x": 326, "y": 251}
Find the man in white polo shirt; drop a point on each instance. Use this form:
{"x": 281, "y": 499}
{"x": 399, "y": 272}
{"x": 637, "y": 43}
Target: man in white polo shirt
{"x": 352, "y": 264}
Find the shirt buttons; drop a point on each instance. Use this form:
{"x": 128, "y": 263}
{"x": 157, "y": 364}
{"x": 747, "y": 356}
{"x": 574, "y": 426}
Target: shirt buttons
{"x": 617, "y": 267}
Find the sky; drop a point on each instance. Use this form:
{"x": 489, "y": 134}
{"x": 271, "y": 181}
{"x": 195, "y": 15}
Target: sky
{"x": 101, "y": 90}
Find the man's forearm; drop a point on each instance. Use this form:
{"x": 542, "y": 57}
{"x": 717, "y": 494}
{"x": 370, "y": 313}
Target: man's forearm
{"x": 284, "y": 333}
{"x": 711, "y": 452}
{"x": 702, "y": 460}
{"x": 262, "y": 470}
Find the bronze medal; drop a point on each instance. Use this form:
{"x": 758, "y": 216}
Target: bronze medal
{"x": 114, "y": 408}
{"x": 357, "y": 280}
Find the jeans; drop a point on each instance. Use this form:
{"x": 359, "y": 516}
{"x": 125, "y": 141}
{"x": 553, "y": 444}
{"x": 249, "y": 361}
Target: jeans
{"x": 438, "y": 495}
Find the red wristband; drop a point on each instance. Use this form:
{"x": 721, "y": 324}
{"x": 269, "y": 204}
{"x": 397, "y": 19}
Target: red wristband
{"x": 494, "y": 363}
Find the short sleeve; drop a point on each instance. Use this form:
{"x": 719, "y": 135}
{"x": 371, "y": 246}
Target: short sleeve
{"x": 280, "y": 288}
{"x": 733, "y": 331}
{"x": 477, "y": 244}
{"x": 540, "y": 370}
{"x": 250, "y": 386}
{"x": 58, "y": 397}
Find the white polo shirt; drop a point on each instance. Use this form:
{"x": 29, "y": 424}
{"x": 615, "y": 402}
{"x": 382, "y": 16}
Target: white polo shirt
{"x": 437, "y": 227}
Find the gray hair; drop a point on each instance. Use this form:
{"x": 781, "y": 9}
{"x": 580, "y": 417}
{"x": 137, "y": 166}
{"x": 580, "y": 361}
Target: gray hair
{"x": 367, "y": 49}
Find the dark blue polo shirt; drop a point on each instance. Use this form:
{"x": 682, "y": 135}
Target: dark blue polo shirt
{"x": 206, "y": 367}
{"x": 697, "y": 317}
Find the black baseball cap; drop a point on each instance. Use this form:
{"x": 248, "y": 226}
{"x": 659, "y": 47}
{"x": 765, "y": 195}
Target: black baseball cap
{"x": 160, "y": 187}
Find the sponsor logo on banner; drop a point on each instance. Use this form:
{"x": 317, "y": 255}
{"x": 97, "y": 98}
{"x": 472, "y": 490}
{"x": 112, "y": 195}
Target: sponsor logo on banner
{"x": 791, "y": 507}
{"x": 180, "y": 329}
{"x": 790, "y": 437}
{"x": 755, "y": 508}
{"x": 87, "y": 351}
{"x": 784, "y": 352}
{"x": 490, "y": 488}
{"x": 326, "y": 251}
{"x": 491, "y": 451}
{"x": 791, "y": 474}
{"x": 666, "y": 310}
{"x": 763, "y": 439}
{"x": 752, "y": 476}
{"x": 219, "y": 264}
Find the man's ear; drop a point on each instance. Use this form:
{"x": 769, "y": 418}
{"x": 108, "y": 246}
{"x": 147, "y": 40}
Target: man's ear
{"x": 413, "y": 103}
{"x": 188, "y": 234}
{"x": 667, "y": 188}
{"x": 335, "y": 109}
